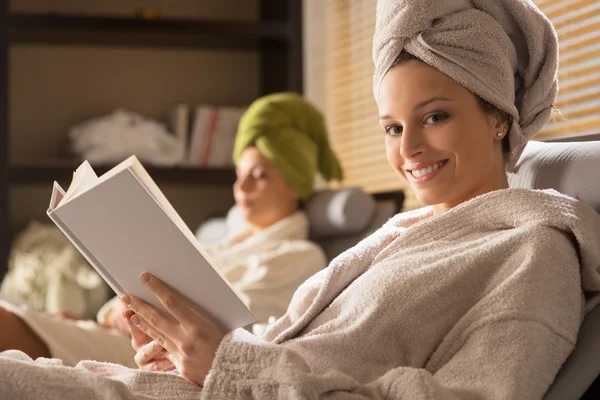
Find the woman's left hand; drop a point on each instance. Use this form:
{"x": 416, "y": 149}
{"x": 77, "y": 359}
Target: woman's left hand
{"x": 190, "y": 339}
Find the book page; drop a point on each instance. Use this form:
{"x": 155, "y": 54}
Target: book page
{"x": 57, "y": 195}
{"x": 84, "y": 178}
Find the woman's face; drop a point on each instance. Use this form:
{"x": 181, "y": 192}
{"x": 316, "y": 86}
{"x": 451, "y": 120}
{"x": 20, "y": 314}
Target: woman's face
{"x": 261, "y": 191}
{"x": 438, "y": 137}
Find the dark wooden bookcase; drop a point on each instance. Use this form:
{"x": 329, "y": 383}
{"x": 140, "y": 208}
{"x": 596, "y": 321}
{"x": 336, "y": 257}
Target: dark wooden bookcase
{"x": 276, "y": 36}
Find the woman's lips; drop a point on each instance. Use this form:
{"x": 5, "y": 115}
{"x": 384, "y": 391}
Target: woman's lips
{"x": 425, "y": 172}
{"x": 243, "y": 203}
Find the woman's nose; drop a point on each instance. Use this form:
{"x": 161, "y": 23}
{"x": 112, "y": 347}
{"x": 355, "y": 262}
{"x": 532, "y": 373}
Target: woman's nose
{"x": 411, "y": 143}
{"x": 243, "y": 183}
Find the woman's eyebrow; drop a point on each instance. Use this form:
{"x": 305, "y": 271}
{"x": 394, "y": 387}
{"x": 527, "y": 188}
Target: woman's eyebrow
{"x": 431, "y": 100}
{"x": 259, "y": 166}
{"x": 417, "y": 106}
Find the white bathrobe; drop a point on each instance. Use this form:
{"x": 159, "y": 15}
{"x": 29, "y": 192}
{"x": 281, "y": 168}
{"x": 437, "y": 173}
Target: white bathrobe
{"x": 265, "y": 268}
{"x": 481, "y": 302}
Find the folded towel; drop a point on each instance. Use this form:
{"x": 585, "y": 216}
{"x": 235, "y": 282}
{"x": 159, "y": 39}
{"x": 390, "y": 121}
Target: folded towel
{"x": 504, "y": 51}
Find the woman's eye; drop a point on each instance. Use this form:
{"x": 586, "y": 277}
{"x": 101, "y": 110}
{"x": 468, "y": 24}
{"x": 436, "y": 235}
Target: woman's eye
{"x": 436, "y": 118}
{"x": 393, "y": 130}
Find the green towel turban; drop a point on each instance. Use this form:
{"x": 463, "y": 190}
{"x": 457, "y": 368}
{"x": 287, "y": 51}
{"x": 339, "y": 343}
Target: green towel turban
{"x": 291, "y": 133}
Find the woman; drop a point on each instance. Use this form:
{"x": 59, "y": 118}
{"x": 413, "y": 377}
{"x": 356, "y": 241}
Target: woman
{"x": 280, "y": 146}
{"x": 479, "y": 295}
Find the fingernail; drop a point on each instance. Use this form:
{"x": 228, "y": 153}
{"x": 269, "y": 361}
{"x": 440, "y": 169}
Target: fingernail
{"x": 135, "y": 320}
{"x": 145, "y": 277}
{"x": 126, "y": 300}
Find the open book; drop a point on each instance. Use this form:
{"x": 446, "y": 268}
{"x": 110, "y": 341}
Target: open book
{"x": 124, "y": 225}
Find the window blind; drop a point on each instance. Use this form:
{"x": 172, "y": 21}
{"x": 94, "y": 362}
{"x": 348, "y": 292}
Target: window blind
{"x": 577, "y": 23}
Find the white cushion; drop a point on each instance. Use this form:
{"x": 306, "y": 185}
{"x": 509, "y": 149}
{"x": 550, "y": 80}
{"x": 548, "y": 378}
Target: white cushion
{"x": 339, "y": 212}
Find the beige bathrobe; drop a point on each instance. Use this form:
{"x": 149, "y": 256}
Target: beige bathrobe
{"x": 481, "y": 302}
{"x": 265, "y": 268}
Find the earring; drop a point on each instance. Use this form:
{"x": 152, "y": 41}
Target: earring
{"x": 500, "y": 134}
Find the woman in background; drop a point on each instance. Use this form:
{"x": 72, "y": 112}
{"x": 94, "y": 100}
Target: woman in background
{"x": 280, "y": 146}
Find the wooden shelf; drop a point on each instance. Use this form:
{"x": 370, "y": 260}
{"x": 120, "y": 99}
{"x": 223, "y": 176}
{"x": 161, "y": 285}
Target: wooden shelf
{"x": 100, "y": 30}
{"x": 46, "y": 173}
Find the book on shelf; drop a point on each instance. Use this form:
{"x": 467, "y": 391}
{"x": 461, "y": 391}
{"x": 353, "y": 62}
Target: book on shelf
{"x": 202, "y": 132}
{"x": 124, "y": 225}
{"x": 213, "y": 135}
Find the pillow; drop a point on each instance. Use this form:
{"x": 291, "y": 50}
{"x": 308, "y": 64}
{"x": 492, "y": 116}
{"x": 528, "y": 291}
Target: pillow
{"x": 339, "y": 212}
{"x": 212, "y": 230}
{"x": 216, "y": 229}
{"x": 235, "y": 220}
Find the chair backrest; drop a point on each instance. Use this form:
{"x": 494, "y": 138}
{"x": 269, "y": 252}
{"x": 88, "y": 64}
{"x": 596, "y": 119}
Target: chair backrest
{"x": 341, "y": 218}
{"x": 571, "y": 168}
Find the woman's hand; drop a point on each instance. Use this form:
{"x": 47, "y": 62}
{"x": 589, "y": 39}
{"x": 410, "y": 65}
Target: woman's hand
{"x": 190, "y": 339}
{"x": 150, "y": 356}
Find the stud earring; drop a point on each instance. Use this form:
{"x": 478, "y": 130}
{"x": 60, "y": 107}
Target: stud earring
{"x": 499, "y": 134}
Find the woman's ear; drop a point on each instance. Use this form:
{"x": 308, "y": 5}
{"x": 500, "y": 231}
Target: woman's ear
{"x": 502, "y": 124}
{"x": 291, "y": 192}
{"x": 502, "y": 119}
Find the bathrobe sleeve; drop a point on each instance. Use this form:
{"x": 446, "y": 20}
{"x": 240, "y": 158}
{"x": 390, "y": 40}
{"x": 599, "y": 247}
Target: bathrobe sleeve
{"x": 491, "y": 365}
